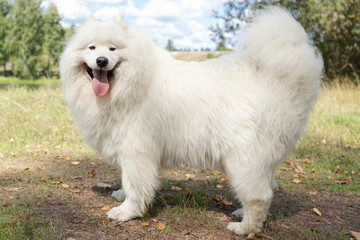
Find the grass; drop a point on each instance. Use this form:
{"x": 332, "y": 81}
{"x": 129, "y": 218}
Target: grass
{"x": 39, "y": 143}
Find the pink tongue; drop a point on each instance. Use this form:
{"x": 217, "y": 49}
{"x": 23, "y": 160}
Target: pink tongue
{"x": 100, "y": 83}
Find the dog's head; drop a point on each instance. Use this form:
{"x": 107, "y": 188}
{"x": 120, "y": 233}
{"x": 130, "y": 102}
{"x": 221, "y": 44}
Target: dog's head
{"x": 96, "y": 51}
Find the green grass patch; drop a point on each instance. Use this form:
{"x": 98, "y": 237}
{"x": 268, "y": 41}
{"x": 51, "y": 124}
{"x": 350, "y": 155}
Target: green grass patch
{"x": 28, "y": 82}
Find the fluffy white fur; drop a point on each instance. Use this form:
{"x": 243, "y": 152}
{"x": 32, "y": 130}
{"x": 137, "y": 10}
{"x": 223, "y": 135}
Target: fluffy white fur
{"x": 241, "y": 113}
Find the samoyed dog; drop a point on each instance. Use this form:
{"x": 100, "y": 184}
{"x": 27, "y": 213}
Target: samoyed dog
{"x": 241, "y": 113}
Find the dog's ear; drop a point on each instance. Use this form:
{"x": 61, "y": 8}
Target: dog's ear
{"x": 119, "y": 19}
{"x": 90, "y": 19}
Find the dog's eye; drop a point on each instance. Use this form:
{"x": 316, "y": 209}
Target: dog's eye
{"x": 92, "y": 47}
{"x": 112, "y": 49}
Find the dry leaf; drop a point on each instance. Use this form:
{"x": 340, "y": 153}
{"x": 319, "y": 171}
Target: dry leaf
{"x": 219, "y": 186}
{"x": 296, "y": 181}
{"x": 176, "y": 188}
{"x": 315, "y": 210}
{"x": 26, "y": 169}
{"x": 105, "y": 208}
{"x": 306, "y": 161}
{"x": 340, "y": 182}
{"x": 43, "y": 179}
{"x": 174, "y": 173}
{"x": 217, "y": 197}
{"x": 215, "y": 172}
{"x": 189, "y": 176}
{"x": 285, "y": 169}
{"x": 313, "y": 193}
{"x": 185, "y": 233}
{"x": 75, "y": 163}
{"x": 145, "y": 223}
{"x": 103, "y": 185}
{"x": 75, "y": 191}
{"x": 56, "y": 182}
{"x": 5, "y": 178}
{"x": 227, "y": 202}
{"x": 299, "y": 169}
{"x": 356, "y": 235}
{"x": 323, "y": 141}
{"x": 224, "y": 179}
{"x": 68, "y": 158}
{"x": 92, "y": 173}
{"x": 161, "y": 226}
{"x": 251, "y": 236}
{"x": 92, "y": 163}
{"x": 65, "y": 186}
{"x": 15, "y": 172}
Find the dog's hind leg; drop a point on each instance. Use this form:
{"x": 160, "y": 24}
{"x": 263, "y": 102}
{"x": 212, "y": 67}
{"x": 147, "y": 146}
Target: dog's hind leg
{"x": 139, "y": 182}
{"x": 253, "y": 185}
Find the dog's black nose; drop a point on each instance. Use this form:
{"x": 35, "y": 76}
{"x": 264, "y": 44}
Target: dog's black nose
{"x": 102, "y": 61}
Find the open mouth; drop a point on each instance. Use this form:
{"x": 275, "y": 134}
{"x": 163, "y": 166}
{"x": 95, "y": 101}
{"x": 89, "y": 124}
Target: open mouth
{"x": 100, "y": 80}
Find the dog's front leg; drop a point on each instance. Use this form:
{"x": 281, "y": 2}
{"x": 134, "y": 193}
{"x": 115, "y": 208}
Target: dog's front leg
{"x": 140, "y": 180}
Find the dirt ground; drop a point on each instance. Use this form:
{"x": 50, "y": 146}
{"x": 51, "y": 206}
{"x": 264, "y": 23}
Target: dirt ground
{"x": 63, "y": 200}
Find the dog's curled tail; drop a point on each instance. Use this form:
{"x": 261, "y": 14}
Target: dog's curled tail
{"x": 278, "y": 45}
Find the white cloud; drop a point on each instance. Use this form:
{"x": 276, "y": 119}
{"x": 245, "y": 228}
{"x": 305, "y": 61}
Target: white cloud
{"x": 106, "y": 13}
{"x": 70, "y": 9}
{"x": 107, "y": 1}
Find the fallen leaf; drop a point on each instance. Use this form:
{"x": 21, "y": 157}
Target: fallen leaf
{"x": 67, "y": 158}
{"x": 174, "y": 173}
{"x": 217, "y": 197}
{"x": 92, "y": 173}
{"x": 289, "y": 162}
{"x": 338, "y": 169}
{"x": 323, "y": 141}
{"x": 299, "y": 175}
{"x": 56, "y": 182}
{"x": 251, "y": 236}
{"x": 306, "y": 161}
{"x": 70, "y": 238}
{"x": 296, "y": 181}
{"x": 185, "y": 233}
{"x": 313, "y": 193}
{"x": 315, "y": 210}
{"x": 5, "y": 178}
{"x": 75, "y": 163}
{"x": 43, "y": 179}
{"x": 176, "y": 188}
{"x": 219, "y": 186}
{"x": 22, "y": 214}
{"x": 340, "y": 182}
{"x": 227, "y": 202}
{"x": 92, "y": 163}
{"x": 215, "y": 172}
{"x": 105, "y": 208}
{"x": 65, "y": 186}
{"x": 224, "y": 179}
{"x": 161, "y": 226}
{"x": 285, "y": 169}
{"x": 103, "y": 185}
{"x": 189, "y": 176}
{"x": 75, "y": 191}
{"x": 299, "y": 169}
{"x": 15, "y": 172}
{"x": 26, "y": 169}
{"x": 145, "y": 223}
{"x": 356, "y": 235}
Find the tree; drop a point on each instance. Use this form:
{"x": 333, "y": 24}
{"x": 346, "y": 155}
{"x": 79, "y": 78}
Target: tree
{"x": 333, "y": 26}
{"x": 26, "y": 37}
{"x": 4, "y": 27}
{"x": 54, "y": 36}
{"x": 170, "y": 45}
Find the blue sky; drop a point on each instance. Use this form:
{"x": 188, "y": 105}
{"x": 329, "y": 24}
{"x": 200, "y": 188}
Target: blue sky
{"x": 186, "y": 22}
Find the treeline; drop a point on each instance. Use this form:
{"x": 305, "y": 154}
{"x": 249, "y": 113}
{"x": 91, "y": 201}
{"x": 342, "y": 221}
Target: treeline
{"x": 333, "y": 26}
{"x": 31, "y": 38}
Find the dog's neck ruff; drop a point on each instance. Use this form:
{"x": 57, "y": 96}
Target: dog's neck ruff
{"x": 100, "y": 83}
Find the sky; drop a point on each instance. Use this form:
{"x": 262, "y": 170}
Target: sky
{"x": 185, "y": 22}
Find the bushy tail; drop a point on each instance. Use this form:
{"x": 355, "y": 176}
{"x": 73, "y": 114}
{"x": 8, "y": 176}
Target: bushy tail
{"x": 278, "y": 45}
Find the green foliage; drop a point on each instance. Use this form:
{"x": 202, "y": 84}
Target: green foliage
{"x": 30, "y": 38}
{"x": 170, "y": 45}
{"x": 27, "y": 35}
{"x": 4, "y": 26}
{"x": 333, "y": 26}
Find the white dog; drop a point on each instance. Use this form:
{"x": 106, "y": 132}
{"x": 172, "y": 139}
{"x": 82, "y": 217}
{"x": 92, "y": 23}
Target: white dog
{"x": 241, "y": 113}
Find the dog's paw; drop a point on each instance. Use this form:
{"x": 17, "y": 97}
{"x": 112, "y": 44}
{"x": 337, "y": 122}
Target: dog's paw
{"x": 120, "y": 214}
{"x": 119, "y": 195}
{"x": 239, "y": 213}
{"x": 240, "y": 229}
